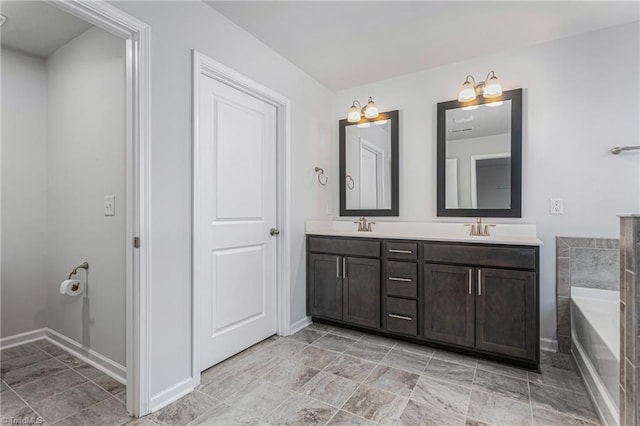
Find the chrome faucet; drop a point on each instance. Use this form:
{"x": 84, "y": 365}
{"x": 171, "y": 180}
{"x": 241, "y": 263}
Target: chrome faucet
{"x": 477, "y": 230}
{"x": 364, "y": 225}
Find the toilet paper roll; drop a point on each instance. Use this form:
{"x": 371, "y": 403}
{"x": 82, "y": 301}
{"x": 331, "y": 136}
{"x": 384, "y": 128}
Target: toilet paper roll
{"x": 71, "y": 287}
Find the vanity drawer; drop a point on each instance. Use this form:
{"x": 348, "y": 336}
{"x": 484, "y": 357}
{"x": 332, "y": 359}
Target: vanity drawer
{"x": 398, "y": 250}
{"x": 355, "y": 247}
{"x": 402, "y": 316}
{"x": 402, "y": 279}
{"x": 479, "y": 255}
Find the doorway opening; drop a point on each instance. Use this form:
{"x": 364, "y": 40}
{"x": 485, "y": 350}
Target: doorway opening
{"x": 74, "y": 196}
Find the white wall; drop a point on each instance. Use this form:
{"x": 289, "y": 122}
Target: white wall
{"x": 580, "y": 99}
{"x": 23, "y": 164}
{"x": 85, "y": 162}
{"x": 178, "y": 27}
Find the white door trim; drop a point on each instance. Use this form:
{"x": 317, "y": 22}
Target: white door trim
{"x": 203, "y": 65}
{"x": 138, "y": 186}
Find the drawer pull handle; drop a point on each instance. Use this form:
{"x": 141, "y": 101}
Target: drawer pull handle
{"x": 344, "y": 267}
{"x": 404, "y": 280}
{"x": 337, "y": 267}
{"x": 470, "y": 273}
{"x": 402, "y": 317}
{"x": 479, "y": 282}
{"x": 400, "y": 251}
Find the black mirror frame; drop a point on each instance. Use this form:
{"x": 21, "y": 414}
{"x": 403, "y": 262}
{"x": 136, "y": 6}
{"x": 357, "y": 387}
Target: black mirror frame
{"x": 515, "y": 96}
{"x": 395, "y": 196}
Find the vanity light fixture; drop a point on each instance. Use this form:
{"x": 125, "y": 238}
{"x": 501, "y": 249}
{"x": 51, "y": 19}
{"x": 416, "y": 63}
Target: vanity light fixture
{"x": 357, "y": 111}
{"x": 489, "y": 88}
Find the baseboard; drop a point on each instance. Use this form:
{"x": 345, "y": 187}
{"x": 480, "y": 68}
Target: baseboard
{"x": 91, "y": 357}
{"x": 548, "y": 345}
{"x": 300, "y": 324}
{"x": 22, "y": 338}
{"x": 171, "y": 394}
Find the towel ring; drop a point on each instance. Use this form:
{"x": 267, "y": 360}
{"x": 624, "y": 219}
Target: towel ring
{"x": 321, "y": 175}
{"x": 351, "y": 184}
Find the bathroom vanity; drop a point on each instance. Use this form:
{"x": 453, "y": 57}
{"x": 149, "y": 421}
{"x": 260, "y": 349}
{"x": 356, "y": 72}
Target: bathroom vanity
{"x": 430, "y": 283}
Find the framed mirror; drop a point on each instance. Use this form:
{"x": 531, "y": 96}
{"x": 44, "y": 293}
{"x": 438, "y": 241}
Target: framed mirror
{"x": 369, "y": 166}
{"x": 480, "y": 157}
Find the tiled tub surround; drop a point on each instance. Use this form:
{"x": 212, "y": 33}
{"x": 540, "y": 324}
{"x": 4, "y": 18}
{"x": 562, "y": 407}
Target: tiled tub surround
{"x": 587, "y": 271}
{"x": 630, "y": 329}
{"x": 329, "y": 375}
{"x": 42, "y": 381}
{"x": 582, "y": 262}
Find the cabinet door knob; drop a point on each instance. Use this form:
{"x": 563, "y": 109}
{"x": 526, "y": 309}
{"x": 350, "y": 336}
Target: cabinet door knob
{"x": 274, "y": 231}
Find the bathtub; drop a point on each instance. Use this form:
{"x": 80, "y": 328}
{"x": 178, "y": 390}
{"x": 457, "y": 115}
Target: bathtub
{"x": 595, "y": 336}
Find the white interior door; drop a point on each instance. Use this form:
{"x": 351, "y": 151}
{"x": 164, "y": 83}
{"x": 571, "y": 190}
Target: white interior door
{"x": 235, "y": 199}
{"x": 368, "y": 178}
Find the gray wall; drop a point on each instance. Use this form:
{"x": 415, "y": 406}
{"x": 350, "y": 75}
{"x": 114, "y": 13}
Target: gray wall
{"x": 24, "y": 104}
{"x": 85, "y": 162}
{"x": 178, "y": 27}
{"x": 566, "y": 135}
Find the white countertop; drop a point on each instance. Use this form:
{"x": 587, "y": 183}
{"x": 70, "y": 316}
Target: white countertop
{"x": 517, "y": 234}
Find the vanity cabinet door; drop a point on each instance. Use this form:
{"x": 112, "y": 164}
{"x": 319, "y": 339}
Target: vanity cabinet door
{"x": 506, "y": 312}
{"x": 361, "y": 291}
{"x": 448, "y": 309}
{"x": 324, "y": 296}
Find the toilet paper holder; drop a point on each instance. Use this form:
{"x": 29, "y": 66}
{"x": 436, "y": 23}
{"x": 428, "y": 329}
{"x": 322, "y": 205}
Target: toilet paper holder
{"x": 84, "y": 265}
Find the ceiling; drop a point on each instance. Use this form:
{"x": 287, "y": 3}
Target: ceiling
{"x": 36, "y": 28}
{"x": 485, "y": 120}
{"x": 347, "y": 44}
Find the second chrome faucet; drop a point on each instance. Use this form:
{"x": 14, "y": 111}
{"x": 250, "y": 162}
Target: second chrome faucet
{"x": 364, "y": 225}
{"x": 477, "y": 230}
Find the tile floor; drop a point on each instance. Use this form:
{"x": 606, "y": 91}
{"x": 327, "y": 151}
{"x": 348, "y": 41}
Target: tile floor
{"x": 328, "y": 375}
{"x": 43, "y": 384}
{"x": 321, "y": 375}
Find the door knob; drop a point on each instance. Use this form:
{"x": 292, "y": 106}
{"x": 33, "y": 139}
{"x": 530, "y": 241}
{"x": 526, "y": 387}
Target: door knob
{"x": 274, "y": 231}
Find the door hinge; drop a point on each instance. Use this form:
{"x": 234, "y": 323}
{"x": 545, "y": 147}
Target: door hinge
{"x": 136, "y": 242}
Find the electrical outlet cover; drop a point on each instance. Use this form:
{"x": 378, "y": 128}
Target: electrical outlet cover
{"x": 556, "y": 206}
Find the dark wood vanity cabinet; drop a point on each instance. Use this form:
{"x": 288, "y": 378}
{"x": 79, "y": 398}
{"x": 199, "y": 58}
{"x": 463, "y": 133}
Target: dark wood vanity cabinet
{"x": 482, "y": 297}
{"x": 506, "y": 312}
{"x": 342, "y": 287}
{"x": 449, "y": 304}
{"x": 476, "y": 298}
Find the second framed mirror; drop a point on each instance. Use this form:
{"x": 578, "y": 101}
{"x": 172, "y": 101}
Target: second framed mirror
{"x": 369, "y": 166}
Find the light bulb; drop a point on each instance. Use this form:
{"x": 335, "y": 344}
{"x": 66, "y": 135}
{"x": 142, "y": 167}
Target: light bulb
{"x": 371, "y": 111}
{"x": 467, "y": 93}
{"x": 492, "y": 88}
{"x": 354, "y": 114}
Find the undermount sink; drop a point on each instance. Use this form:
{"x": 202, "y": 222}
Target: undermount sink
{"x": 524, "y": 234}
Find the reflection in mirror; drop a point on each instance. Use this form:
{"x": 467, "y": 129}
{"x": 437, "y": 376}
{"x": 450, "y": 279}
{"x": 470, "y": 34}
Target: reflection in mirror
{"x": 369, "y": 166}
{"x": 478, "y": 157}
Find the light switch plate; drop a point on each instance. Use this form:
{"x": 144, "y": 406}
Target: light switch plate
{"x": 110, "y": 205}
